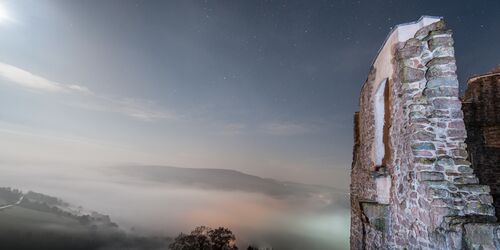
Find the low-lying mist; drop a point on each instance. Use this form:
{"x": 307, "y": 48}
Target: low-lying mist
{"x": 166, "y": 201}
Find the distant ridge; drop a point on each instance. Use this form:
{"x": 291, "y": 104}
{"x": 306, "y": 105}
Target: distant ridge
{"x": 231, "y": 180}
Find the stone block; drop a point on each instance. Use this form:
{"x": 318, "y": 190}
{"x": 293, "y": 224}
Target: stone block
{"x": 443, "y": 52}
{"x": 442, "y": 82}
{"x": 424, "y": 136}
{"x": 445, "y": 91}
{"x": 423, "y": 153}
{"x": 439, "y": 192}
{"x": 424, "y": 31}
{"x": 474, "y": 188}
{"x": 441, "y": 41}
{"x": 456, "y": 133}
{"x": 419, "y": 120}
{"x": 439, "y": 33}
{"x": 446, "y": 103}
{"x": 423, "y": 146}
{"x": 412, "y": 42}
{"x": 441, "y": 71}
{"x": 458, "y": 124}
{"x": 461, "y": 162}
{"x": 474, "y": 207}
{"x": 445, "y": 162}
{"x": 465, "y": 170}
{"x": 459, "y": 153}
{"x": 440, "y": 60}
{"x": 431, "y": 176}
{"x": 413, "y": 63}
{"x": 486, "y": 199}
{"x": 408, "y": 74}
{"x": 466, "y": 180}
{"x": 425, "y": 161}
{"x": 409, "y": 52}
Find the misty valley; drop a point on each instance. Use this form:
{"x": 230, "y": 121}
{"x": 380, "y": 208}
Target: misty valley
{"x": 144, "y": 205}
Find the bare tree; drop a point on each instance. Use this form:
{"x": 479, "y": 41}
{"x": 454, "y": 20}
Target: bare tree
{"x": 205, "y": 238}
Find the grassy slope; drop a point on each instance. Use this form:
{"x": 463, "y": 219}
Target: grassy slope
{"x": 22, "y": 228}
{"x": 21, "y": 218}
{"x": 27, "y": 229}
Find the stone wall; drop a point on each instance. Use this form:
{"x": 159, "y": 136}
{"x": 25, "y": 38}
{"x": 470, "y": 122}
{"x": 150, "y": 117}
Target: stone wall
{"x": 431, "y": 188}
{"x": 481, "y": 106}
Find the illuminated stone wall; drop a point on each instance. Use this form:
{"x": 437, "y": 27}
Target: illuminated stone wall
{"x": 424, "y": 193}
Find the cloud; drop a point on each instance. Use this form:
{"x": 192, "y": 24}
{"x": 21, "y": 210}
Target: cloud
{"x": 28, "y": 80}
{"x": 143, "y": 110}
{"x": 285, "y": 128}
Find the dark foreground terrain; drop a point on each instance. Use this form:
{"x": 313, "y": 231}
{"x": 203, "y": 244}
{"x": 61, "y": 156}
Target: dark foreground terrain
{"x": 37, "y": 221}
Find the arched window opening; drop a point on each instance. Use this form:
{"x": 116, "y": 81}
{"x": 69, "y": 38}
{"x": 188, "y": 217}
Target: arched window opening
{"x": 381, "y": 141}
{"x": 380, "y": 116}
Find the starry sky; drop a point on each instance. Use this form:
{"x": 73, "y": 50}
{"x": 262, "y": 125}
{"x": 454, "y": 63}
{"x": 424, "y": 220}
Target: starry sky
{"x": 263, "y": 87}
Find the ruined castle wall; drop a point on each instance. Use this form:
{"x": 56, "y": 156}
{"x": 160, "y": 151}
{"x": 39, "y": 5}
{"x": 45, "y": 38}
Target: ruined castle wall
{"x": 376, "y": 231}
{"x": 482, "y": 118}
{"x": 424, "y": 172}
{"x": 363, "y": 190}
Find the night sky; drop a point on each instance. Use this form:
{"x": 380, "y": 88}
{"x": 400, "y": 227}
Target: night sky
{"x": 264, "y": 87}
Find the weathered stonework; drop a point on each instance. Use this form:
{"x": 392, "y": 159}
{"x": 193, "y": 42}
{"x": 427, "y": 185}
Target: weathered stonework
{"x": 412, "y": 185}
{"x": 481, "y": 106}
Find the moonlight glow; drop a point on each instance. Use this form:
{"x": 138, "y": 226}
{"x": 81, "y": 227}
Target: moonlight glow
{"x": 4, "y": 15}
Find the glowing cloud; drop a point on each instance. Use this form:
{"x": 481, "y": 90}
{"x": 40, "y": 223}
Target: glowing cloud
{"x": 137, "y": 109}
